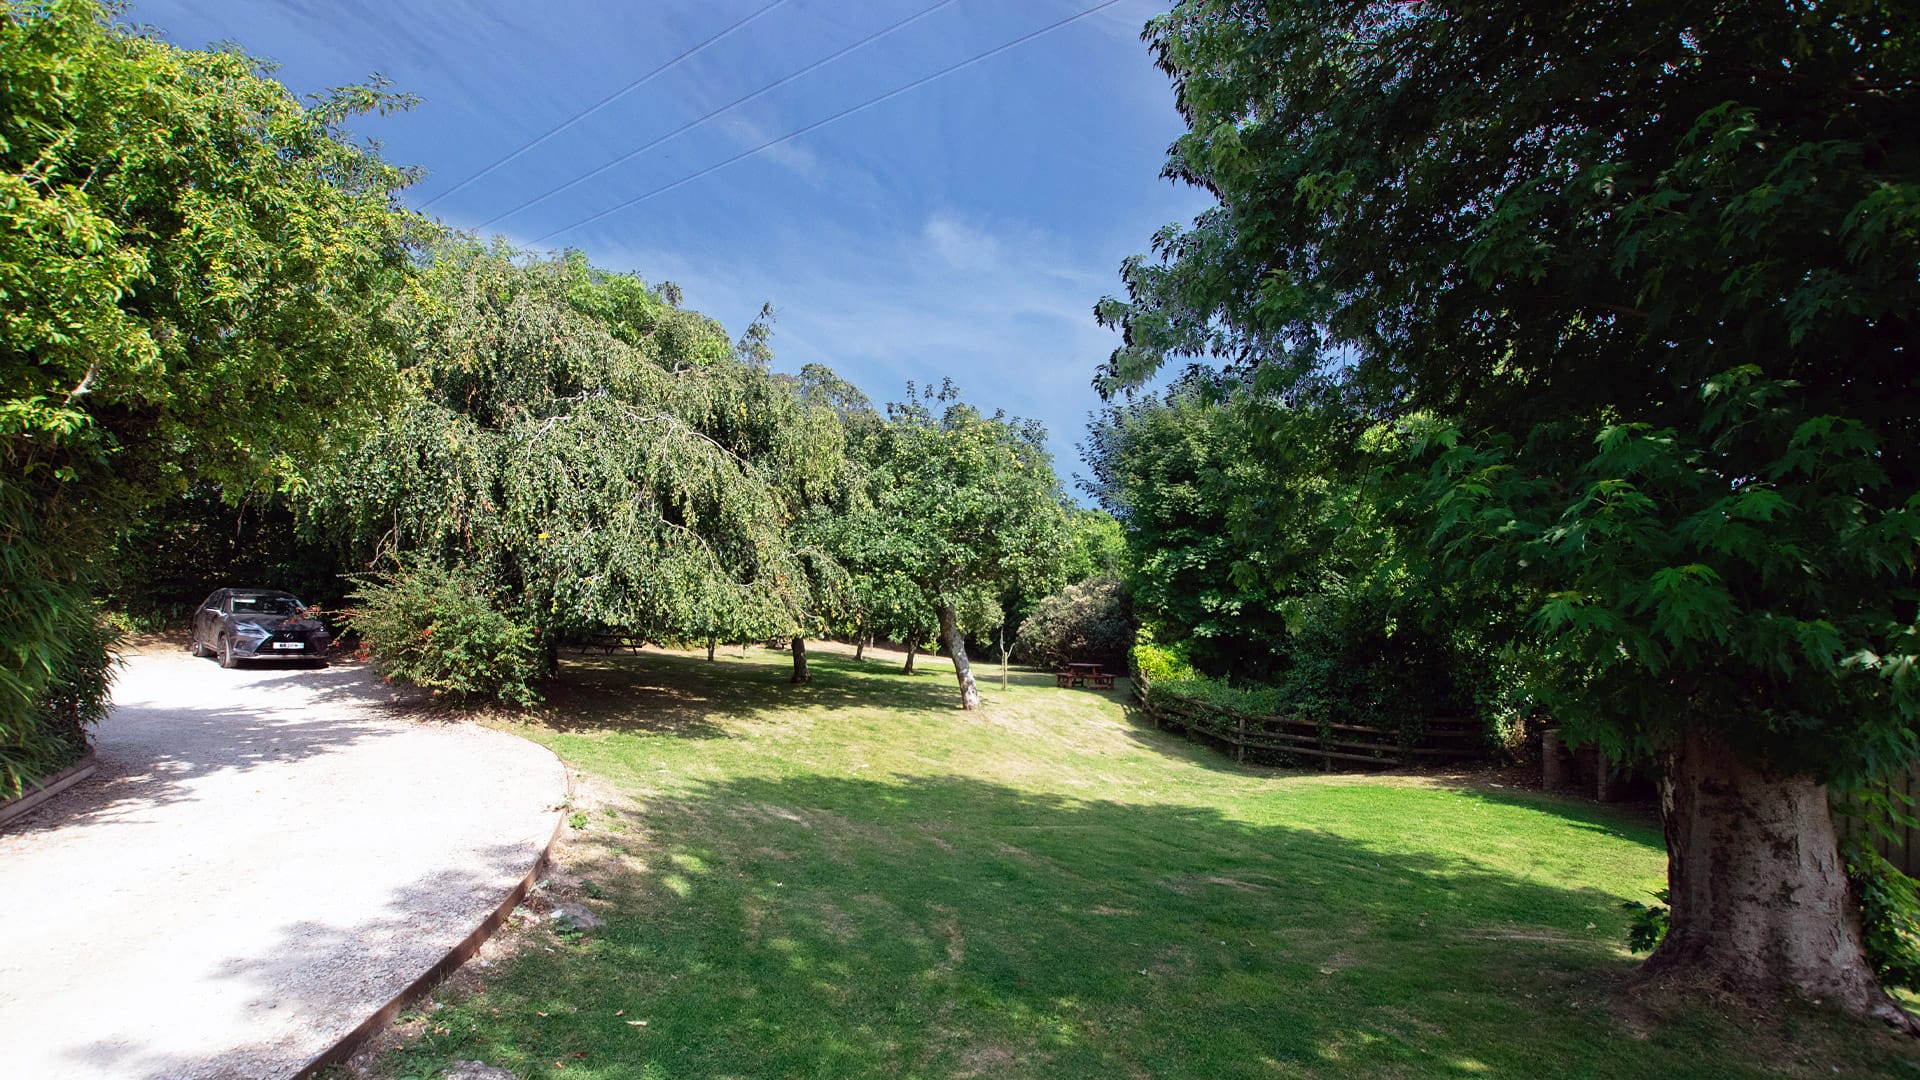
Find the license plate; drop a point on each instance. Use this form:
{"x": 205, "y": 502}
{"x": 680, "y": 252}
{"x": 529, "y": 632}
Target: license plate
{"x": 289, "y": 644}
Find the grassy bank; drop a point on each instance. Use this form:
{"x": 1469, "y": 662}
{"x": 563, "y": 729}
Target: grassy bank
{"x": 853, "y": 878}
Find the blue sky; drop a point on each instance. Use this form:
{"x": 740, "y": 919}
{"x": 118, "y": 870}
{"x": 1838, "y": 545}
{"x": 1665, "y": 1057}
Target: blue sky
{"x": 962, "y": 229}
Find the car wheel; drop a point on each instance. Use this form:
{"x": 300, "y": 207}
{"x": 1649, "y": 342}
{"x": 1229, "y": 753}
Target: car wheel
{"x": 226, "y": 651}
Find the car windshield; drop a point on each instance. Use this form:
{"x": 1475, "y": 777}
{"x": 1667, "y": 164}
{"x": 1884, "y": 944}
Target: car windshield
{"x": 266, "y": 605}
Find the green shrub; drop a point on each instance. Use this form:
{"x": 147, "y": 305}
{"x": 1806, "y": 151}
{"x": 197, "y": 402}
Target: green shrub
{"x": 1889, "y": 914}
{"x": 76, "y": 696}
{"x": 1252, "y": 700}
{"x": 1160, "y": 663}
{"x": 1089, "y": 622}
{"x": 1169, "y": 669}
{"x": 1646, "y": 923}
{"x": 437, "y": 630}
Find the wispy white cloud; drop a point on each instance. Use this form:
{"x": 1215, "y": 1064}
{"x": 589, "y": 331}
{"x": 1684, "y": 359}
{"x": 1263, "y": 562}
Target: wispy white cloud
{"x": 1005, "y": 310}
{"x": 959, "y": 244}
{"x": 793, "y": 155}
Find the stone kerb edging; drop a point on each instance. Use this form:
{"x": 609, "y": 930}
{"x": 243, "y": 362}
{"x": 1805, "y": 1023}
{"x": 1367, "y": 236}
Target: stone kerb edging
{"x": 348, "y": 1044}
{"x": 47, "y": 789}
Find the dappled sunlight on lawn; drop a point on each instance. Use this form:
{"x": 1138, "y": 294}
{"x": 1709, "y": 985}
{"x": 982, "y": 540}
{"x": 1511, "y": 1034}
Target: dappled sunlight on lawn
{"x": 857, "y": 879}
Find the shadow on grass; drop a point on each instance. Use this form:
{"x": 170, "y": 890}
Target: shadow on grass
{"x": 1639, "y": 821}
{"x": 1635, "y": 821}
{"x": 1030, "y": 677}
{"x": 839, "y": 927}
{"x": 1192, "y": 749}
{"x": 683, "y": 695}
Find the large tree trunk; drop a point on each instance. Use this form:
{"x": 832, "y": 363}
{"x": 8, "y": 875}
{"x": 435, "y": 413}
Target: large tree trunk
{"x": 913, "y": 646}
{"x": 860, "y": 647}
{"x": 957, "y": 648}
{"x": 710, "y": 644}
{"x": 1759, "y": 897}
{"x": 800, "y": 659}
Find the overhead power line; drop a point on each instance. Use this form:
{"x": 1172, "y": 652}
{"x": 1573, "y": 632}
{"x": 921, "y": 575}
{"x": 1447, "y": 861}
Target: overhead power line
{"x": 605, "y": 101}
{"x": 694, "y": 123}
{"x": 816, "y": 125}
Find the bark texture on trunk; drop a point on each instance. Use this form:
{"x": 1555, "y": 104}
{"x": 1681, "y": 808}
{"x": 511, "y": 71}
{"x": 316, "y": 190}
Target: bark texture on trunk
{"x": 800, "y": 660}
{"x": 860, "y": 647}
{"x": 710, "y": 644}
{"x": 957, "y": 648}
{"x": 1758, "y": 894}
{"x": 912, "y": 648}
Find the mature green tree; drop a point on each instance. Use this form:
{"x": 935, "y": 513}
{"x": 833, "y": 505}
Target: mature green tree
{"x": 1179, "y": 469}
{"x": 879, "y": 597}
{"x": 1241, "y": 512}
{"x": 1096, "y": 546}
{"x": 595, "y": 455}
{"x": 1640, "y": 279}
{"x": 816, "y": 472}
{"x": 1258, "y": 545}
{"x": 960, "y": 506}
{"x": 190, "y": 259}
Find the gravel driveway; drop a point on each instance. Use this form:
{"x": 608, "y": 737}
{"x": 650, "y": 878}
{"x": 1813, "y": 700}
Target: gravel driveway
{"x": 265, "y": 856}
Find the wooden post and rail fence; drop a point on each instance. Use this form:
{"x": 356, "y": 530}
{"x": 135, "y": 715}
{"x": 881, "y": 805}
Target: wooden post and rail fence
{"x": 1438, "y": 740}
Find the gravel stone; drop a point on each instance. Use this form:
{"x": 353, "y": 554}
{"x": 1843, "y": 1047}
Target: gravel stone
{"x": 476, "y": 1070}
{"x": 575, "y": 917}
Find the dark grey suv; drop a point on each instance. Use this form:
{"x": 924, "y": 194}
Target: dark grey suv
{"x": 257, "y": 624}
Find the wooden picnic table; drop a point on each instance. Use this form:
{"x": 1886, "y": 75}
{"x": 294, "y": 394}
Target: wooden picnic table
{"x": 1084, "y": 675}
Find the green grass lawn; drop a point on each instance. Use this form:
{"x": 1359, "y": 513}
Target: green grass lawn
{"x": 856, "y": 879}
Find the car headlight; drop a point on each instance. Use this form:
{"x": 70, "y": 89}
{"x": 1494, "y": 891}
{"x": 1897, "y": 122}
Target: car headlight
{"x": 249, "y": 629}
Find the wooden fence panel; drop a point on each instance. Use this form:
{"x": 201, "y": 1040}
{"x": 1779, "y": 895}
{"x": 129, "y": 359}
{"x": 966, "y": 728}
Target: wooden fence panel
{"x": 1304, "y": 739}
{"x": 1370, "y": 745}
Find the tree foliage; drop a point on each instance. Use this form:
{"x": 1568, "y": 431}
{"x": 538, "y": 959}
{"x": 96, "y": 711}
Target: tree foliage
{"x": 1088, "y": 622}
{"x": 76, "y": 696}
{"x": 1262, "y": 543}
{"x": 1096, "y": 546}
{"x": 1181, "y": 471}
{"x": 1637, "y": 283}
{"x": 958, "y": 507}
{"x": 593, "y": 456}
{"x": 432, "y": 627}
{"x": 1645, "y": 306}
{"x": 190, "y": 258}
{"x": 180, "y": 550}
